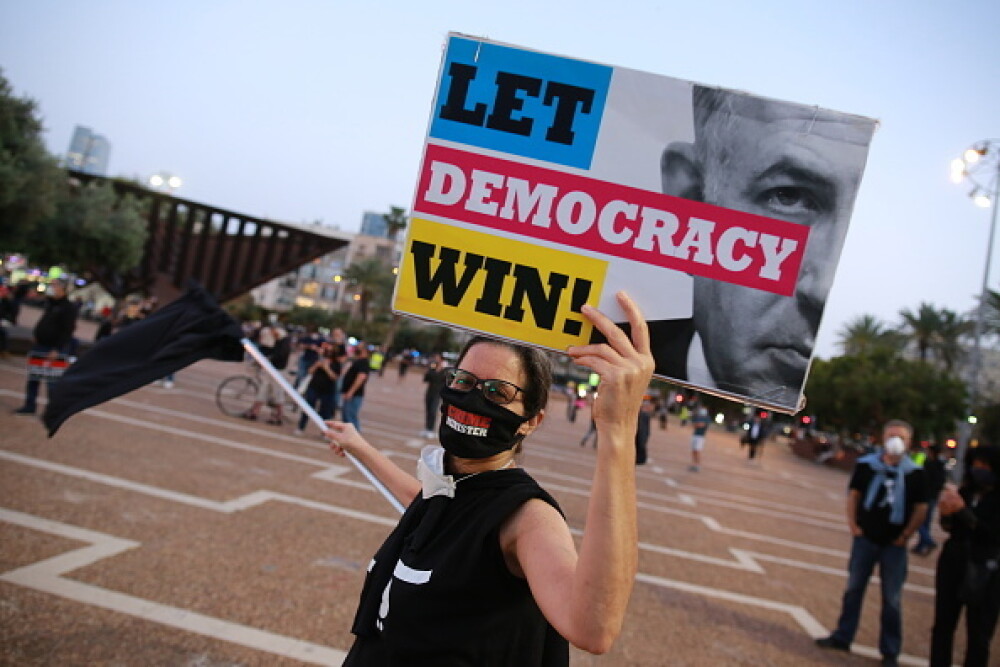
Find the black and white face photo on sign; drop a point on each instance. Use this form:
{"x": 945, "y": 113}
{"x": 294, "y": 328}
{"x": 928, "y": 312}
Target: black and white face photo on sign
{"x": 778, "y": 160}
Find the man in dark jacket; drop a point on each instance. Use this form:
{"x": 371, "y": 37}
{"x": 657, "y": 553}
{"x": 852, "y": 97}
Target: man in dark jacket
{"x": 50, "y": 338}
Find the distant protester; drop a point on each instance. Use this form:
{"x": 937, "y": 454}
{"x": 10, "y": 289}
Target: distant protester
{"x": 968, "y": 570}
{"x": 886, "y": 503}
{"x": 51, "y": 337}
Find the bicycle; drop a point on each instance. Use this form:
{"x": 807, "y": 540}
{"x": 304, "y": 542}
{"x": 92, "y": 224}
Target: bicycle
{"x": 236, "y": 395}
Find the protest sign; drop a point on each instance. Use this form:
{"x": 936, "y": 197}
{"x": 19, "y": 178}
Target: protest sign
{"x": 550, "y": 182}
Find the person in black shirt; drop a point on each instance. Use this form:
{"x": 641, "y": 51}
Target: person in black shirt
{"x": 434, "y": 378}
{"x": 50, "y": 338}
{"x": 353, "y": 386}
{"x": 482, "y": 568}
{"x": 322, "y": 388}
{"x": 968, "y": 571}
{"x": 886, "y": 503}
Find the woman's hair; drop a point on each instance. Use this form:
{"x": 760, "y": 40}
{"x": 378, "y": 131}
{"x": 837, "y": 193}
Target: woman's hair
{"x": 536, "y": 365}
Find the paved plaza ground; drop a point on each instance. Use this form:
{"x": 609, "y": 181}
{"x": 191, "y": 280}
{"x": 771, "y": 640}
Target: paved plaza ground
{"x": 154, "y": 530}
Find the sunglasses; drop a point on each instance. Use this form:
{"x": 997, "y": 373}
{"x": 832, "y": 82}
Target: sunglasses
{"x": 500, "y": 392}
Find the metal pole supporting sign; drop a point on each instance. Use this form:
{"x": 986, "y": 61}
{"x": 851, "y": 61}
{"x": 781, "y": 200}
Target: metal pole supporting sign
{"x": 316, "y": 419}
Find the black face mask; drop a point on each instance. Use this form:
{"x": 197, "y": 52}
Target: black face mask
{"x": 982, "y": 479}
{"x": 474, "y": 427}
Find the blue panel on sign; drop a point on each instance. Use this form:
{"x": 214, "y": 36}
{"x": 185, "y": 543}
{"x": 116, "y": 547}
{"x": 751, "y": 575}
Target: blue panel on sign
{"x": 520, "y": 102}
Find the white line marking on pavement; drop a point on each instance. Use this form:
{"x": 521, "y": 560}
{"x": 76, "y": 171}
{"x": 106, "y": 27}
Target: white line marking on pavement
{"x": 801, "y": 615}
{"x": 236, "y": 505}
{"x": 46, "y": 576}
{"x": 744, "y": 560}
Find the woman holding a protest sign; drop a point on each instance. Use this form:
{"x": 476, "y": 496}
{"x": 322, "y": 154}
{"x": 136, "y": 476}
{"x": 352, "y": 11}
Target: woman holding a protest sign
{"x": 482, "y": 568}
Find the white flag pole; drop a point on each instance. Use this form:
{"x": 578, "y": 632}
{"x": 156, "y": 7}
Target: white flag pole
{"x": 316, "y": 419}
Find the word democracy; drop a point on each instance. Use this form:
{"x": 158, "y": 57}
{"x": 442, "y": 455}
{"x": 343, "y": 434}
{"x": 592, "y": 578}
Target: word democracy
{"x": 600, "y": 218}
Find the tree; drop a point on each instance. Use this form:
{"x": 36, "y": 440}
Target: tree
{"x": 395, "y": 221}
{"x": 427, "y": 339}
{"x": 988, "y": 429}
{"x": 948, "y": 348}
{"x": 923, "y": 327}
{"x": 30, "y": 178}
{"x": 991, "y": 313}
{"x": 320, "y": 318}
{"x": 244, "y": 309}
{"x": 373, "y": 281}
{"x": 95, "y": 232}
{"x": 866, "y": 334}
{"x": 859, "y": 393}
{"x": 938, "y": 333}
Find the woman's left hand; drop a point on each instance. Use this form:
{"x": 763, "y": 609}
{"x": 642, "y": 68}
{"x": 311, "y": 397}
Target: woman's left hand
{"x": 625, "y": 366}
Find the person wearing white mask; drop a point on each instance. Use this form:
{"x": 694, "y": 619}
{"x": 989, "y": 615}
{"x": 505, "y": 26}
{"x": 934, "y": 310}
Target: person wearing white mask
{"x": 886, "y": 504}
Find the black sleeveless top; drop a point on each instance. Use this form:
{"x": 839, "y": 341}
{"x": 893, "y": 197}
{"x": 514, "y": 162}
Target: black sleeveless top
{"x": 438, "y": 591}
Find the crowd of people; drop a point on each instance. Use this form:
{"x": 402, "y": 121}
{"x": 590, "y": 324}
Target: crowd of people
{"x": 480, "y": 411}
{"x": 329, "y": 371}
{"x": 332, "y": 372}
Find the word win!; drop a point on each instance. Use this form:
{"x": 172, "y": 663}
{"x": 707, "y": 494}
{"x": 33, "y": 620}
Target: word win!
{"x": 501, "y": 288}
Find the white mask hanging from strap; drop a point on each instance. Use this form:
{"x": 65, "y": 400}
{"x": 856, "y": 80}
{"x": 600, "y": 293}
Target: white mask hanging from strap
{"x": 430, "y": 472}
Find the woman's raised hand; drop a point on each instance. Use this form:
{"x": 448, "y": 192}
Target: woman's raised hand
{"x": 625, "y": 365}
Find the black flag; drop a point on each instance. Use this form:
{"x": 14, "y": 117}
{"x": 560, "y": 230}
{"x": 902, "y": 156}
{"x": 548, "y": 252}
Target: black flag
{"x": 184, "y": 331}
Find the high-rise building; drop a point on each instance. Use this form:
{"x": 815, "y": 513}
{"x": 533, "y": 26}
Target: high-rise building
{"x": 88, "y": 152}
{"x": 374, "y": 224}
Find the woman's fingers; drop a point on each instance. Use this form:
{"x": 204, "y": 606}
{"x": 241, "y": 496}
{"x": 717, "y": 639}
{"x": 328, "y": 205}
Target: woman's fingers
{"x": 637, "y": 323}
{"x": 612, "y": 333}
{"x": 604, "y": 357}
{"x": 334, "y": 434}
{"x": 616, "y": 337}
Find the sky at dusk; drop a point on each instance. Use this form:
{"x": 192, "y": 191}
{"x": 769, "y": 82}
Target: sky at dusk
{"x": 317, "y": 111}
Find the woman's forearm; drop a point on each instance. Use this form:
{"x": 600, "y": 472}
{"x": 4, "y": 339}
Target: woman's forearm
{"x": 609, "y": 555}
{"x": 400, "y": 483}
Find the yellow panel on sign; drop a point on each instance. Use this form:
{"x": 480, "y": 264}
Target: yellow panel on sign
{"x": 497, "y": 285}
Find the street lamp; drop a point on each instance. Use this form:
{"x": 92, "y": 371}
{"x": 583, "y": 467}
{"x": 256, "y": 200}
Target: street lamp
{"x": 165, "y": 181}
{"x": 980, "y": 166}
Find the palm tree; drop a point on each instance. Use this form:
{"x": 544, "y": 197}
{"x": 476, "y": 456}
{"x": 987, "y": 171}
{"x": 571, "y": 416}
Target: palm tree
{"x": 373, "y": 281}
{"x": 923, "y": 328}
{"x": 991, "y": 313}
{"x": 865, "y": 334}
{"x": 947, "y": 346}
{"x": 395, "y": 221}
